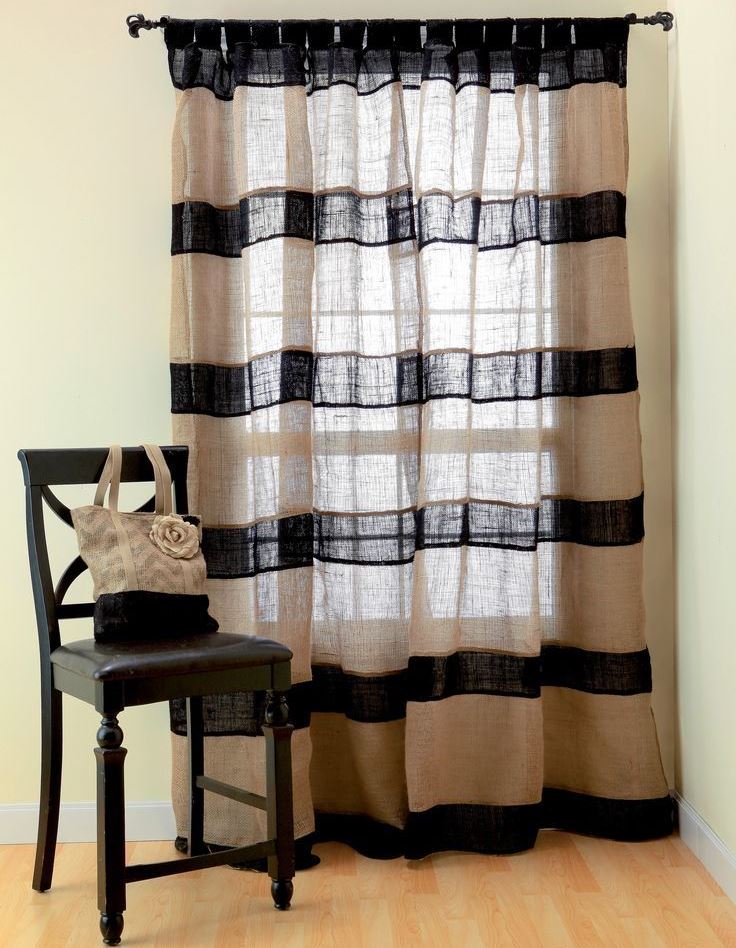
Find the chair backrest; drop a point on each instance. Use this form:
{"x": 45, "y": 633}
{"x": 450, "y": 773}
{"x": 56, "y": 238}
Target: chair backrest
{"x": 46, "y": 468}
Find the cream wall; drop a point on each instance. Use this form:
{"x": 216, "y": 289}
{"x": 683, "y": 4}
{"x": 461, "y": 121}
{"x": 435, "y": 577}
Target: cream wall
{"x": 703, "y": 157}
{"x": 84, "y": 287}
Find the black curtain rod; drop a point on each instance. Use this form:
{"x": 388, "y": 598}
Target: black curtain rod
{"x": 137, "y": 22}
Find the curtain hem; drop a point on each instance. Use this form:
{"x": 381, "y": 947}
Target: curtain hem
{"x": 500, "y": 830}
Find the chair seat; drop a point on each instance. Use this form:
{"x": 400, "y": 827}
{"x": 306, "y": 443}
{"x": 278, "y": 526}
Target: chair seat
{"x": 181, "y": 655}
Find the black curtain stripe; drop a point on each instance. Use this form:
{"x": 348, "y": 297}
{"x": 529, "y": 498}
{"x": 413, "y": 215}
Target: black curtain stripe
{"x": 392, "y": 539}
{"x": 367, "y": 698}
{"x": 498, "y": 830}
{"x": 624, "y": 820}
{"x": 346, "y": 217}
{"x": 369, "y": 837}
{"x": 241, "y": 713}
{"x": 601, "y": 673}
{"x": 472, "y": 828}
{"x": 374, "y": 699}
{"x": 342, "y": 381}
{"x": 507, "y": 829}
{"x": 432, "y": 678}
{"x": 487, "y": 53}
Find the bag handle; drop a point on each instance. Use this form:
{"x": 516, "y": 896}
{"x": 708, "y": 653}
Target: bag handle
{"x": 110, "y": 477}
{"x": 163, "y": 478}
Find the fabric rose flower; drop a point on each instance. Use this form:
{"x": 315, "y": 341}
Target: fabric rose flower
{"x": 175, "y": 537}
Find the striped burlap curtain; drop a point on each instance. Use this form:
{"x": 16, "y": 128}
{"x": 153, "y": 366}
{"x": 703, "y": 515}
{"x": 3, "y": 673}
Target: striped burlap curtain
{"x": 403, "y": 361}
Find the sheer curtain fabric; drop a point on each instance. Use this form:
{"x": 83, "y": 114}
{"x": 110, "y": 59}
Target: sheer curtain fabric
{"x": 402, "y": 358}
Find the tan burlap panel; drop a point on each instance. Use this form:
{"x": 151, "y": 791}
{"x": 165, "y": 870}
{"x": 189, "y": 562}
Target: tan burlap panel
{"x": 582, "y": 129}
{"x": 449, "y": 586}
{"x": 585, "y": 284}
{"x": 588, "y": 450}
{"x": 361, "y": 646}
{"x": 588, "y": 288}
{"x": 515, "y": 635}
{"x": 564, "y": 295}
{"x": 452, "y": 134}
{"x": 245, "y": 319}
{"x": 277, "y": 276}
{"x": 239, "y": 487}
{"x": 584, "y": 596}
{"x": 580, "y": 133}
{"x": 360, "y": 616}
{"x": 474, "y": 749}
{"x": 203, "y": 159}
{"x": 380, "y": 432}
{"x": 271, "y": 139}
{"x": 240, "y": 761}
{"x": 591, "y": 597}
{"x": 585, "y": 448}
{"x": 368, "y": 299}
{"x": 585, "y": 133}
{"x": 359, "y": 768}
{"x": 275, "y": 605}
{"x": 213, "y": 287}
{"x": 359, "y": 142}
{"x": 592, "y": 447}
{"x": 241, "y": 301}
{"x": 605, "y": 745}
{"x": 223, "y": 150}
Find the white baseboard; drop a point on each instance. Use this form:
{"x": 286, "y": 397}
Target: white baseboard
{"x": 78, "y": 822}
{"x": 707, "y": 846}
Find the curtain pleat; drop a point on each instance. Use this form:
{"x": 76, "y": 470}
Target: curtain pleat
{"x": 403, "y": 360}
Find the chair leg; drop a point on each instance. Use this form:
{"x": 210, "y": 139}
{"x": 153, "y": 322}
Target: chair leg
{"x": 50, "y": 795}
{"x": 280, "y": 809}
{"x": 195, "y": 738}
{"x": 110, "y": 829}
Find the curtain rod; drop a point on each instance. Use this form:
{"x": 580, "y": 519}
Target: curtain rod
{"x": 137, "y": 22}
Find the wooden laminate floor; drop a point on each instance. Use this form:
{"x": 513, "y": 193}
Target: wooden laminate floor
{"x": 569, "y": 890}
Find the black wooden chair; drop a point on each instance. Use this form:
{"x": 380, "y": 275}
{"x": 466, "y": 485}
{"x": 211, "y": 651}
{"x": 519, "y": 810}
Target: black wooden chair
{"x": 113, "y": 677}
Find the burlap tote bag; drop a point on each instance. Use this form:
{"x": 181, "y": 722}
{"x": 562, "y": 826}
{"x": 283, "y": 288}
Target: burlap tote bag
{"x": 148, "y": 570}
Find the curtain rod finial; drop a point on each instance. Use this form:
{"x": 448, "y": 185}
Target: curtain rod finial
{"x": 137, "y": 22}
{"x": 662, "y": 18}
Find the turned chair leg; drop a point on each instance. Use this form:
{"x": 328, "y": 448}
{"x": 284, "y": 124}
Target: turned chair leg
{"x": 195, "y": 737}
{"x": 280, "y": 810}
{"x": 50, "y": 795}
{"x": 110, "y": 829}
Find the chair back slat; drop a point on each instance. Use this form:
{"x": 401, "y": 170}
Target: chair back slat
{"x": 148, "y": 507}
{"x": 44, "y": 468}
{"x": 61, "y": 510}
{"x": 58, "y": 466}
{"x": 73, "y": 570}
